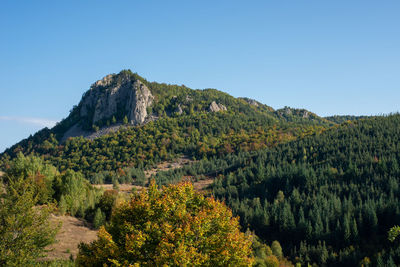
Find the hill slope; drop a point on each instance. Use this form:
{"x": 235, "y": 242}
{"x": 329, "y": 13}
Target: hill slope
{"x": 329, "y": 198}
{"x": 327, "y": 192}
{"x": 126, "y": 121}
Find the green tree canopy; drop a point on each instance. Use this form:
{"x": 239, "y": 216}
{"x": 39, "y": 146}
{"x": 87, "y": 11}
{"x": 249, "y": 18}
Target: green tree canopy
{"x": 393, "y": 233}
{"x": 25, "y": 230}
{"x": 33, "y": 169}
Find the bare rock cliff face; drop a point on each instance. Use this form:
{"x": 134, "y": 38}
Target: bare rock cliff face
{"x": 138, "y": 103}
{"x": 116, "y": 94}
{"x": 214, "y": 107}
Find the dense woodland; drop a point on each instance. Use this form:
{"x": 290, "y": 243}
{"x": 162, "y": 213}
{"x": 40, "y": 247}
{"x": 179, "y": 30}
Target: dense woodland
{"x": 325, "y": 189}
{"x": 329, "y": 198}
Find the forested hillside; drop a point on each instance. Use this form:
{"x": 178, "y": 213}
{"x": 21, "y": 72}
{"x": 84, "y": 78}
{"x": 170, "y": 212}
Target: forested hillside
{"x": 344, "y": 118}
{"x": 326, "y": 188}
{"x": 329, "y": 198}
{"x": 180, "y": 121}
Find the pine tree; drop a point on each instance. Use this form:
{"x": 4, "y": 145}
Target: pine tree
{"x": 390, "y": 262}
{"x": 125, "y": 120}
{"x": 379, "y": 261}
{"x": 323, "y": 253}
{"x": 99, "y": 218}
{"x": 354, "y": 230}
{"x": 346, "y": 229}
{"x": 62, "y": 205}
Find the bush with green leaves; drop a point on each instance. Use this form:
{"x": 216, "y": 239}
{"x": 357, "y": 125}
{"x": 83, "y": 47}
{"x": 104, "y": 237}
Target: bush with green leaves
{"x": 25, "y": 229}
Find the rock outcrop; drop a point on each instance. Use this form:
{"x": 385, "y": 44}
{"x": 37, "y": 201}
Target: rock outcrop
{"x": 179, "y": 110}
{"x": 251, "y": 101}
{"x": 214, "y": 107}
{"x": 120, "y": 94}
{"x": 296, "y": 112}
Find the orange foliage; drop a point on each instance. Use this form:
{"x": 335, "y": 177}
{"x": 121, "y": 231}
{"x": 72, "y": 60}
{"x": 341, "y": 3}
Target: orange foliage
{"x": 174, "y": 226}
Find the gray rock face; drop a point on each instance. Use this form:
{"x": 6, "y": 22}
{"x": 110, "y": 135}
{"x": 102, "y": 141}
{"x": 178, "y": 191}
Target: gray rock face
{"x": 117, "y": 94}
{"x": 138, "y": 103}
{"x": 179, "y": 109}
{"x": 285, "y": 111}
{"x": 188, "y": 99}
{"x": 251, "y": 101}
{"x": 288, "y": 111}
{"x": 214, "y": 107}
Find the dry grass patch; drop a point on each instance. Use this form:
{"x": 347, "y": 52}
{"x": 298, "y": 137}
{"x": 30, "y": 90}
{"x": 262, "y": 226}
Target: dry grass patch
{"x": 121, "y": 187}
{"x": 202, "y": 185}
{"x": 169, "y": 165}
{"x": 72, "y": 232}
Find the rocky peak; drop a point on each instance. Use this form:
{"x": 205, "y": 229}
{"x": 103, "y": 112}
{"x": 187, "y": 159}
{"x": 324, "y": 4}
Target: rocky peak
{"x": 116, "y": 95}
{"x": 104, "y": 82}
{"x": 214, "y": 107}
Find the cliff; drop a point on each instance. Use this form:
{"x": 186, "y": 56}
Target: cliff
{"x": 111, "y": 101}
{"x": 116, "y": 95}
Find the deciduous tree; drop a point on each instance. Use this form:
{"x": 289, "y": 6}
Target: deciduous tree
{"x": 25, "y": 230}
{"x": 175, "y": 226}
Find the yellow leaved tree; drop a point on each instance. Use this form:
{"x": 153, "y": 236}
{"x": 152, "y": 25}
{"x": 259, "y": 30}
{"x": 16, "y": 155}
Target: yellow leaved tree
{"x": 175, "y": 226}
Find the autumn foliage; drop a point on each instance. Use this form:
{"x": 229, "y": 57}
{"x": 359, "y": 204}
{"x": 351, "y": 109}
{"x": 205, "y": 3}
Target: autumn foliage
{"x": 175, "y": 226}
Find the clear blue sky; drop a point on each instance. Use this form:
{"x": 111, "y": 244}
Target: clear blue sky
{"x": 331, "y": 57}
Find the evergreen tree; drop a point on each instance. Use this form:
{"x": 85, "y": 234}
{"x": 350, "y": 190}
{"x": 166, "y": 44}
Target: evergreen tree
{"x": 62, "y": 205}
{"x": 99, "y": 218}
{"x": 125, "y": 120}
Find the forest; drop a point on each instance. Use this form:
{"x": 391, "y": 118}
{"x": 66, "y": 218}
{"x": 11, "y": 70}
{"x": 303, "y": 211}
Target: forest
{"x": 330, "y": 198}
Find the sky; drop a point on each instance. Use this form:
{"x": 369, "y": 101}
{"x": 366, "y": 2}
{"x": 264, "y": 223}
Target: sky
{"x": 330, "y": 57}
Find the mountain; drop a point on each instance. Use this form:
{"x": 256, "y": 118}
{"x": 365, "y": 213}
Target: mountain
{"x": 326, "y": 188}
{"x": 125, "y": 121}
